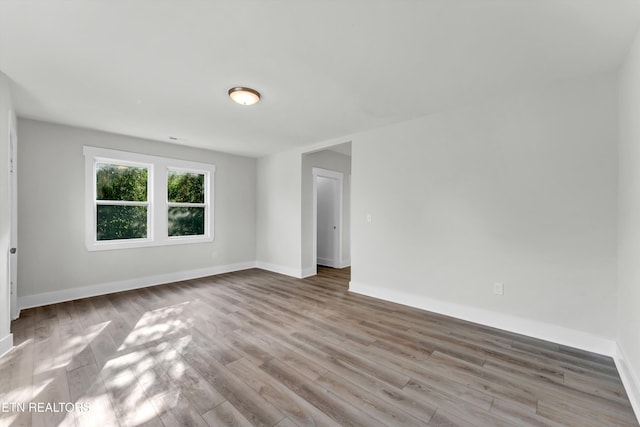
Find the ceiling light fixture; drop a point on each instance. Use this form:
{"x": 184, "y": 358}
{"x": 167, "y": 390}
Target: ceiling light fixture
{"x": 244, "y": 95}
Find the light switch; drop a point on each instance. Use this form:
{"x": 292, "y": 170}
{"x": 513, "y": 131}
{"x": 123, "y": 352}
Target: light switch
{"x": 498, "y": 288}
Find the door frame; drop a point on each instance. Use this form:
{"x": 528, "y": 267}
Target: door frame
{"x": 339, "y": 177}
{"x": 13, "y": 203}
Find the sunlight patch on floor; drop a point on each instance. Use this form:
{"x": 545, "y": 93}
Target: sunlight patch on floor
{"x": 157, "y": 324}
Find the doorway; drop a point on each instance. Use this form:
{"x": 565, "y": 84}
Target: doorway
{"x": 327, "y": 217}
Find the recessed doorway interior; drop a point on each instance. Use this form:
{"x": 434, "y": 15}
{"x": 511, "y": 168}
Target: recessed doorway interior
{"x": 326, "y": 209}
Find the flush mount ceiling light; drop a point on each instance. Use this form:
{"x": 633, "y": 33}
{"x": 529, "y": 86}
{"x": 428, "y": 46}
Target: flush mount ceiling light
{"x": 244, "y": 95}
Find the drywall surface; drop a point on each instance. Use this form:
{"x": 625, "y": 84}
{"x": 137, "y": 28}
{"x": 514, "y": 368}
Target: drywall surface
{"x": 278, "y": 227}
{"x": 53, "y": 255}
{"x": 325, "y": 159}
{"x": 519, "y": 190}
{"x": 628, "y": 333}
{"x": 5, "y": 213}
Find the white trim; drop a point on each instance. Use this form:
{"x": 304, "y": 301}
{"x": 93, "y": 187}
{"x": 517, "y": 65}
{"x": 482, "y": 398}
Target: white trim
{"x": 327, "y": 173}
{"x": 327, "y": 263}
{"x": 345, "y": 263}
{"x": 338, "y": 176}
{"x": 14, "y": 311}
{"x": 47, "y": 298}
{"x": 281, "y": 269}
{"x": 6, "y": 344}
{"x": 308, "y": 272}
{"x": 532, "y": 328}
{"x": 157, "y": 226}
{"x": 630, "y": 379}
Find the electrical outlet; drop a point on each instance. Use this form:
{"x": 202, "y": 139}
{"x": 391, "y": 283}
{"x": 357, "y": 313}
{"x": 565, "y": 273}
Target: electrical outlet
{"x": 498, "y": 288}
{"x": 369, "y": 218}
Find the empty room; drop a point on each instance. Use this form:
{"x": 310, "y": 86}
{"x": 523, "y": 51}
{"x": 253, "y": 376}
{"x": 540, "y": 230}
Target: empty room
{"x": 320, "y": 213}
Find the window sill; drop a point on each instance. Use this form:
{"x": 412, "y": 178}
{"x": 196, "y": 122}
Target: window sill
{"x": 108, "y": 245}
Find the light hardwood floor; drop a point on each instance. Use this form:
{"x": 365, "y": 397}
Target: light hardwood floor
{"x": 257, "y": 348}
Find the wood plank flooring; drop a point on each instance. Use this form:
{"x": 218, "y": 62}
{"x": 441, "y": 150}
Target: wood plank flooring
{"x": 254, "y": 348}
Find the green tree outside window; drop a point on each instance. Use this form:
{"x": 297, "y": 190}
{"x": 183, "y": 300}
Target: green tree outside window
{"x": 122, "y": 201}
{"x": 186, "y": 197}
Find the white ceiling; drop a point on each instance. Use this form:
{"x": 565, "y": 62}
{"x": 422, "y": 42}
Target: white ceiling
{"x": 162, "y": 68}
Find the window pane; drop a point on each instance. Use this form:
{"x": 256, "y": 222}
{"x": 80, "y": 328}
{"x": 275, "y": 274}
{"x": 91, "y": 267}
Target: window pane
{"x": 121, "y": 222}
{"x": 120, "y": 182}
{"x": 186, "y": 221}
{"x": 185, "y": 187}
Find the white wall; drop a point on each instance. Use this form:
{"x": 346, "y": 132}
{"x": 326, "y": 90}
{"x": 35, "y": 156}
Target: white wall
{"x": 325, "y": 159}
{"x": 53, "y": 256}
{"x": 628, "y": 332}
{"x": 520, "y": 191}
{"x": 5, "y": 224}
{"x": 278, "y": 226}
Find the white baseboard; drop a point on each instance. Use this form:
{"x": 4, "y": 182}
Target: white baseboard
{"x": 6, "y": 344}
{"x": 630, "y": 379}
{"x": 532, "y": 328}
{"x": 280, "y": 269}
{"x": 47, "y": 298}
{"x": 308, "y": 272}
{"x": 327, "y": 262}
{"x": 331, "y": 263}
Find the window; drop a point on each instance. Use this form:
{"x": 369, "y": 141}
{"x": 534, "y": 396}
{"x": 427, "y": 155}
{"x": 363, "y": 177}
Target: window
{"x": 136, "y": 200}
{"x": 122, "y": 201}
{"x": 185, "y": 194}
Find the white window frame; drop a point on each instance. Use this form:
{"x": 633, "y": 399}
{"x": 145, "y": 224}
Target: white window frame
{"x": 157, "y": 200}
{"x": 206, "y": 205}
{"x": 148, "y": 204}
